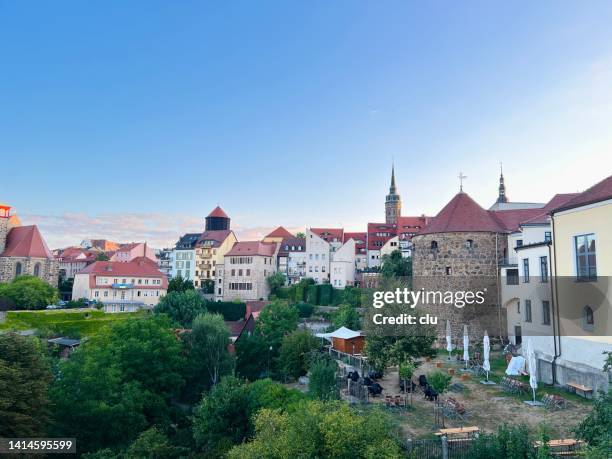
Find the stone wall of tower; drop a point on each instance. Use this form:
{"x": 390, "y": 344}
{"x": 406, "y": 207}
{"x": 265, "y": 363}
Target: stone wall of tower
{"x": 49, "y": 268}
{"x": 3, "y": 232}
{"x": 466, "y": 261}
{"x": 393, "y": 209}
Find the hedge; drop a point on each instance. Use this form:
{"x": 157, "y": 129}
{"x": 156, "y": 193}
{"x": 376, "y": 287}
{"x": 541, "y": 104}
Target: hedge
{"x": 228, "y": 309}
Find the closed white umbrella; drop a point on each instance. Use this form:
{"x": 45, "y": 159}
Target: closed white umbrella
{"x": 486, "y": 349}
{"x": 466, "y": 345}
{"x": 533, "y": 368}
{"x": 449, "y": 342}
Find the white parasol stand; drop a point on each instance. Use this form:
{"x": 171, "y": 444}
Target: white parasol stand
{"x": 449, "y": 341}
{"x": 466, "y": 345}
{"x": 486, "y": 364}
{"x": 533, "y": 373}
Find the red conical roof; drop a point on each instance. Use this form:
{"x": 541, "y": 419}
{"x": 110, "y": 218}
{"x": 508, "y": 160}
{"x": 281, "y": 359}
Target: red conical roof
{"x": 463, "y": 214}
{"x": 218, "y": 212}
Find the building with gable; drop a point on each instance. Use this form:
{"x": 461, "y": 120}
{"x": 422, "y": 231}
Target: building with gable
{"x": 24, "y": 251}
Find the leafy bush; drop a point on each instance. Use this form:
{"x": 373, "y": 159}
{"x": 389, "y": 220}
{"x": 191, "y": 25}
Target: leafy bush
{"x": 304, "y": 309}
{"x": 28, "y": 292}
{"x": 439, "y": 381}
{"x": 295, "y": 353}
{"x": 322, "y": 382}
{"x": 325, "y": 294}
{"x": 511, "y": 442}
{"x": 181, "y": 306}
{"x": 312, "y": 294}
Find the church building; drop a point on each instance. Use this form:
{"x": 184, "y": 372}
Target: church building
{"x": 24, "y": 251}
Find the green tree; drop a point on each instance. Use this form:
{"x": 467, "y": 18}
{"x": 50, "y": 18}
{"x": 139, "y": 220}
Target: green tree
{"x": 207, "y": 352}
{"x": 182, "y": 307}
{"x": 395, "y": 265}
{"x": 275, "y": 321}
{"x": 295, "y": 352}
{"x": 24, "y": 379}
{"x": 28, "y": 292}
{"x": 275, "y": 281}
{"x": 118, "y": 383}
{"x": 221, "y": 420}
{"x": 266, "y": 393}
{"x": 321, "y": 429}
{"x": 596, "y": 427}
{"x": 178, "y": 284}
{"x": 439, "y": 381}
{"x": 322, "y": 383}
{"x": 154, "y": 444}
{"x": 300, "y": 235}
{"x": 346, "y": 316}
{"x": 102, "y": 256}
{"x": 252, "y": 356}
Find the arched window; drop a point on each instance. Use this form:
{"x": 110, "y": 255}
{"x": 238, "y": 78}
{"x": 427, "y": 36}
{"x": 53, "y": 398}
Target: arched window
{"x": 37, "y": 269}
{"x": 469, "y": 244}
{"x": 588, "y": 320}
{"x": 17, "y": 269}
{"x": 434, "y": 245}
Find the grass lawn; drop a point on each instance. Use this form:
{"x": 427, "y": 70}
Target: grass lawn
{"x": 73, "y": 323}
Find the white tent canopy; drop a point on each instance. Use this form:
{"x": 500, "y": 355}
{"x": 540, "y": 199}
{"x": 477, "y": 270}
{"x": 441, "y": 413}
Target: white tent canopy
{"x": 342, "y": 333}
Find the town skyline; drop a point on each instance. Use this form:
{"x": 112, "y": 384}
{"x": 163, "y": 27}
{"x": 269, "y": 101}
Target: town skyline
{"x": 181, "y": 109}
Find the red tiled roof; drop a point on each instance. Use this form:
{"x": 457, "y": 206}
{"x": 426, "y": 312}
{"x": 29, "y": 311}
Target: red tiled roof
{"x": 512, "y": 218}
{"x": 139, "y": 267}
{"x": 235, "y": 326}
{"x": 26, "y": 241}
{"x": 599, "y": 192}
{"x": 360, "y": 241}
{"x": 280, "y": 232}
{"x": 218, "y": 212}
{"x": 556, "y": 201}
{"x": 253, "y": 307}
{"x": 376, "y": 242}
{"x": 412, "y": 222}
{"x": 217, "y": 236}
{"x": 252, "y": 248}
{"x": 461, "y": 214}
{"x": 329, "y": 234}
{"x": 77, "y": 254}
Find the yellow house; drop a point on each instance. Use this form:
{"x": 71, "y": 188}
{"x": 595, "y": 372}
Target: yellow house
{"x": 582, "y": 269}
{"x": 210, "y": 251}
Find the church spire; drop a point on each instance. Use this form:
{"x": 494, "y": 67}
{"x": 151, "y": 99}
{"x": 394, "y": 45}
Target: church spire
{"x": 392, "y": 189}
{"x": 501, "y": 198}
{"x": 393, "y": 202}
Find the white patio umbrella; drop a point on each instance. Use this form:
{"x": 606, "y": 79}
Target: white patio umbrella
{"x": 466, "y": 345}
{"x": 533, "y": 368}
{"x": 486, "y": 349}
{"x": 449, "y": 342}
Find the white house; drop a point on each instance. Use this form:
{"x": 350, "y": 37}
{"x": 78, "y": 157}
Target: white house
{"x": 342, "y": 265}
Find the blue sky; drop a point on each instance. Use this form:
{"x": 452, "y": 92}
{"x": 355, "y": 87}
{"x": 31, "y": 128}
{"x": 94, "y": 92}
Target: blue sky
{"x": 132, "y": 120}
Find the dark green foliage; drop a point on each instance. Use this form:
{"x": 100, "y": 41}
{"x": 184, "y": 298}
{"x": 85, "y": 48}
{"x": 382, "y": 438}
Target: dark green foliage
{"x": 395, "y": 265}
{"x": 24, "y": 378}
{"x": 312, "y": 294}
{"x": 102, "y": 256}
{"x": 275, "y": 281}
{"x": 510, "y": 442}
{"x": 325, "y": 294}
{"x": 154, "y": 444}
{"x": 596, "y": 428}
{"x": 221, "y": 420}
{"x": 178, "y": 284}
{"x": 346, "y": 316}
{"x": 208, "y": 358}
{"x": 27, "y": 292}
{"x": 118, "y": 383}
{"x": 208, "y": 286}
{"x": 230, "y": 310}
{"x": 295, "y": 353}
{"x": 322, "y": 383}
{"x": 181, "y": 306}
{"x": 252, "y": 354}
{"x": 305, "y": 310}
